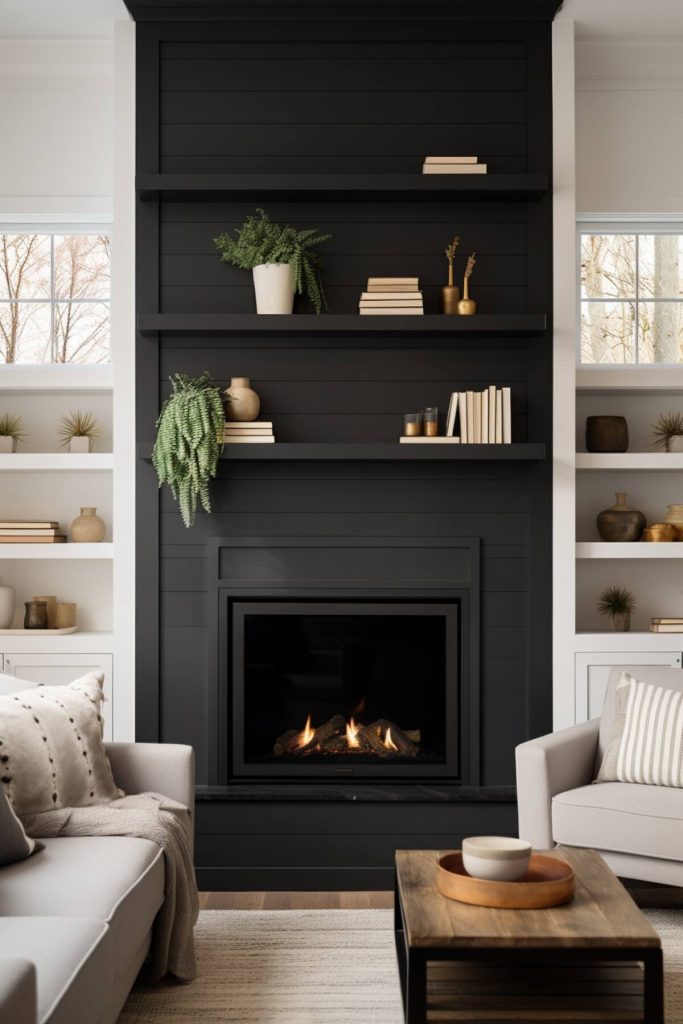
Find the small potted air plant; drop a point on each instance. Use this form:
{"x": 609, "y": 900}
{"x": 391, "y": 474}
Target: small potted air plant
{"x": 450, "y": 293}
{"x": 467, "y": 306}
{"x": 668, "y": 432}
{"x": 617, "y": 603}
{"x": 77, "y": 431}
{"x": 11, "y": 432}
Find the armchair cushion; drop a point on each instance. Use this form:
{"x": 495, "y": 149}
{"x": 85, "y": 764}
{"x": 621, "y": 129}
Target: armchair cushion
{"x": 622, "y": 817}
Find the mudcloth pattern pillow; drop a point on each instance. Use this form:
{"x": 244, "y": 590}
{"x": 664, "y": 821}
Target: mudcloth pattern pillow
{"x": 647, "y": 739}
{"x": 51, "y": 749}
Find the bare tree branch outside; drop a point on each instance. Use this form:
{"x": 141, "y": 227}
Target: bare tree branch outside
{"x": 54, "y": 298}
{"x": 631, "y": 290}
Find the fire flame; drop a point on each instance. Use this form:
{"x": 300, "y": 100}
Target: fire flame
{"x": 352, "y": 734}
{"x": 388, "y": 742}
{"x": 307, "y": 734}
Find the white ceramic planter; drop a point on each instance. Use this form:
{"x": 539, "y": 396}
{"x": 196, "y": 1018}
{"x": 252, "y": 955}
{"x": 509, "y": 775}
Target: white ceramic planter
{"x": 6, "y": 605}
{"x": 80, "y": 445}
{"x": 676, "y": 443}
{"x": 7, "y": 444}
{"x": 274, "y": 288}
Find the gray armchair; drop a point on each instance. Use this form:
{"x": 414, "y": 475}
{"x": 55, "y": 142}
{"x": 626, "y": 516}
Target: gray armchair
{"x": 637, "y": 829}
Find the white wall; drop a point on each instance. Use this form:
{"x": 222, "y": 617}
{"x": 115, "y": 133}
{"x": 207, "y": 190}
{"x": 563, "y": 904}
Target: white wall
{"x": 629, "y": 125}
{"x": 56, "y": 127}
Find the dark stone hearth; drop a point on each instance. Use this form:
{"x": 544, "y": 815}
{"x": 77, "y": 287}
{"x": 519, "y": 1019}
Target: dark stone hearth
{"x": 365, "y": 793}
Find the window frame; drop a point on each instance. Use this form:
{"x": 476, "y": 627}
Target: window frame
{"x": 670, "y": 224}
{"x": 52, "y": 228}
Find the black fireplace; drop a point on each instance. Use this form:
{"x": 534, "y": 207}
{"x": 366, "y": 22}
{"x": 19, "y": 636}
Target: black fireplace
{"x": 345, "y": 689}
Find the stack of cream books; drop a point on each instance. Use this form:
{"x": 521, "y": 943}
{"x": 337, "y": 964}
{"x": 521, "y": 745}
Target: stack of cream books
{"x": 256, "y": 432}
{"x": 672, "y": 624}
{"x": 392, "y": 296}
{"x": 30, "y": 531}
{"x": 484, "y": 417}
{"x": 453, "y": 165}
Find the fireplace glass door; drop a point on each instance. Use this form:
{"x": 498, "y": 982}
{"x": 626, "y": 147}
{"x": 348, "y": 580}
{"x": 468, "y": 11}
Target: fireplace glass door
{"x": 337, "y": 689}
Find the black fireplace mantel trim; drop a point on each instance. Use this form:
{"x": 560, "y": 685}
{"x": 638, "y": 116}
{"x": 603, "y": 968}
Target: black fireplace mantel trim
{"x": 413, "y": 792}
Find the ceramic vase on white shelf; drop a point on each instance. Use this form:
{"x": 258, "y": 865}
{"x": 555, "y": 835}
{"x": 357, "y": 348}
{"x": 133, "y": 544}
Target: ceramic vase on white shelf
{"x": 274, "y": 288}
{"x": 7, "y": 444}
{"x": 80, "y": 445}
{"x": 87, "y": 528}
{"x": 6, "y": 605}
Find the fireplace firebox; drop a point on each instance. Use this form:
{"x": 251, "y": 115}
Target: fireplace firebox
{"x": 345, "y": 688}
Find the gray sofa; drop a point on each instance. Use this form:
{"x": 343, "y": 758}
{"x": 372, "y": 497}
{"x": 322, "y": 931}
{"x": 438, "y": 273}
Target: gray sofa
{"x": 76, "y": 917}
{"x": 637, "y": 829}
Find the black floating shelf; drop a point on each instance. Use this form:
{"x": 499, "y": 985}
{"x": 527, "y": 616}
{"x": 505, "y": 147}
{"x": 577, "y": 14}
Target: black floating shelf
{"x": 340, "y": 323}
{"x": 371, "y": 451}
{"x": 417, "y": 187}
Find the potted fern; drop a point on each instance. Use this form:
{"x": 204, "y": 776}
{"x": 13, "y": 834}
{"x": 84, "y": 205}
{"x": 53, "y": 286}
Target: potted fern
{"x": 281, "y": 258}
{"x": 11, "y": 432}
{"x": 189, "y": 441}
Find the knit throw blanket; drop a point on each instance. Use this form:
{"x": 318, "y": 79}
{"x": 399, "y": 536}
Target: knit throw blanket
{"x": 166, "y": 823}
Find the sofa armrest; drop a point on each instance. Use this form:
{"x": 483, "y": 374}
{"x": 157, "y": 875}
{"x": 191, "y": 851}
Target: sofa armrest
{"x": 166, "y": 768}
{"x": 18, "y": 992}
{"x": 547, "y": 766}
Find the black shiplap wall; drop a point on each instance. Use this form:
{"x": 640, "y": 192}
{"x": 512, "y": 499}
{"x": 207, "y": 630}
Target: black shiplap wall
{"x": 330, "y": 93}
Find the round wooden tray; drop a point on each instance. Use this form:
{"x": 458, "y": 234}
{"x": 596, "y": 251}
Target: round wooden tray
{"x": 549, "y": 882}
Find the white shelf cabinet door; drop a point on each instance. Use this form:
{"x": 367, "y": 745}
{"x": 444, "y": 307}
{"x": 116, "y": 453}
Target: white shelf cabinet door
{"x": 59, "y": 669}
{"x": 592, "y": 675}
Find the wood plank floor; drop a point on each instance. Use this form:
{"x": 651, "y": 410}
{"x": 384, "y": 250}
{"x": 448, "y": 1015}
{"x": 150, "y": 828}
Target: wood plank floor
{"x": 296, "y": 900}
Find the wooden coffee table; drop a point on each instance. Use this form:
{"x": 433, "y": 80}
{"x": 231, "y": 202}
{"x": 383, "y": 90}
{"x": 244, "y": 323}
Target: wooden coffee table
{"x": 596, "y": 958}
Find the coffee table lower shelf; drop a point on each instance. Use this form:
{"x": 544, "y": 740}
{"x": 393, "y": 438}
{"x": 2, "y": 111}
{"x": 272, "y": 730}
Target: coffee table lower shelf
{"x": 574, "y": 974}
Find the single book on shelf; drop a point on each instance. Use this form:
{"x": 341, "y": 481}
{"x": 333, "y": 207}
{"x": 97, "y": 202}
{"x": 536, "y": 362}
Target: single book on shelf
{"x": 450, "y": 159}
{"x": 250, "y": 439}
{"x": 429, "y": 440}
{"x": 451, "y": 414}
{"x": 57, "y": 539}
{"x": 454, "y": 169}
{"x": 662, "y": 627}
{"x": 27, "y": 524}
{"x": 398, "y": 311}
{"x": 10, "y": 531}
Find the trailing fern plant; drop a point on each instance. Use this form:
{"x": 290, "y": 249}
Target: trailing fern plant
{"x": 260, "y": 241}
{"x": 189, "y": 441}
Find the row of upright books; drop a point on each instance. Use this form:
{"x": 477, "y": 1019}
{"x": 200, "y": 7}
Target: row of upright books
{"x": 28, "y": 531}
{"x": 453, "y": 165}
{"x": 483, "y": 417}
{"x": 256, "y": 432}
{"x": 391, "y": 296}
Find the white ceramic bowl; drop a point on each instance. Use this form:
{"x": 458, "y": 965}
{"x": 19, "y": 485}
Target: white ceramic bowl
{"x": 496, "y": 858}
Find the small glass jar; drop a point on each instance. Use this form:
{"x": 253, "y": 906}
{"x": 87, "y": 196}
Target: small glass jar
{"x": 412, "y": 424}
{"x": 430, "y": 420}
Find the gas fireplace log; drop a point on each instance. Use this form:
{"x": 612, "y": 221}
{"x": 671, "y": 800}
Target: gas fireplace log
{"x": 287, "y": 743}
{"x": 404, "y": 745}
{"x": 414, "y": 735}
{"x": 374, "y": 743}
{"x": 324, "y": 732}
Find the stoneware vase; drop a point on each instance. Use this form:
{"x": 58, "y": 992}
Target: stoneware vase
{"x": 466, "y": 306}
{"x": 274, "y": 288}
{"x": 80, "y": 445}
{"x": 87, "y": 528}
{"x": 35, "y": 616}
{"x": 65, "y": 615}
{"x": 7, "y": 444}
{"x": 6, "y": 605}
{"x": 244, "y": 404}
{"x": 620, "y": 523}
{"x": 606, "y": 434}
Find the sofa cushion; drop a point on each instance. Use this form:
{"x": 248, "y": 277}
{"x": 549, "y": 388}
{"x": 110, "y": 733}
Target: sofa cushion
{"x": 51, "y": 747}
{"x": 656, "y": 675}
{"x": 73, "y": 962}
{"x": 14, "y": 843}
{"x": 111, "y": 879}
{"x": 621, "y": 816}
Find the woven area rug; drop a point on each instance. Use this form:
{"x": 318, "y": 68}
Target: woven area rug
{"x": 314, "y": 967}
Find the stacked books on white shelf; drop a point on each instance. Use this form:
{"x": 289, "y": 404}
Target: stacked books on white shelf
{"x": 28, "y": 531}
{"x": 391, "y": 296}
{"x": 483, "y": 417}
{"x": 672, "y": 624}
{"x": 256, "y": 432}
{"x": 453, "y": 165}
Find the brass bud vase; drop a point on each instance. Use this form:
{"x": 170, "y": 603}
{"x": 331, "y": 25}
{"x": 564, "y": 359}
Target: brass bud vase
{"x": 466, "y": 306}
{"x": 620, "y": 523}
{"x": 450, "y": 295}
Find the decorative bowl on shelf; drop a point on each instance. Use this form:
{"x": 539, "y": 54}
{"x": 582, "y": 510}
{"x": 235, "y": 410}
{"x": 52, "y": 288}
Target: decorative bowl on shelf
{"x": 497, "y": 858}
{"x": 660, "y": 533}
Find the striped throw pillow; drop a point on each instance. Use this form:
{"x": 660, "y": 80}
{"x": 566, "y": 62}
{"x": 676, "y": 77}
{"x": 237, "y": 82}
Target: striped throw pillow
{"x": 647, "y": 741}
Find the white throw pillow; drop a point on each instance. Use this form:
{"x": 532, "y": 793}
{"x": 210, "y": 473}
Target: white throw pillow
{"x": 14, "y": 843}
{"x": 51, "y": 749}
{"x": 647, "y": 738}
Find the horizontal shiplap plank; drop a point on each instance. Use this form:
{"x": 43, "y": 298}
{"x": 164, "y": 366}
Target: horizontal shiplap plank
{"x": 222, "y": 213}
{"x": 291, "y": 47}
{"x": 343, "y": 74}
